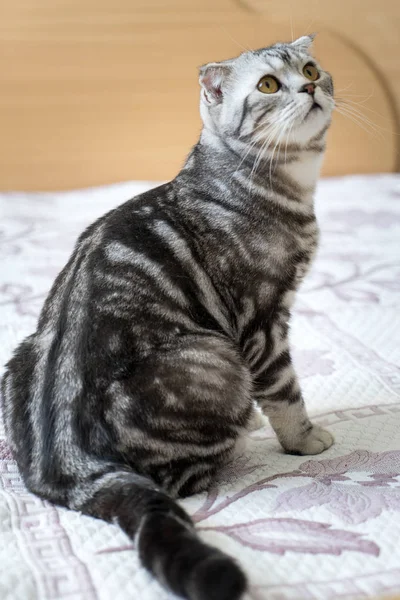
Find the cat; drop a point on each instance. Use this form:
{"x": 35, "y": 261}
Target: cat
{"x": 170, "y": 321}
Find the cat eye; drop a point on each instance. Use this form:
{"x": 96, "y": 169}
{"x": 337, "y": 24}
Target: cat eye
{"x": 268, "y": 85}
{"x": 311, "y": 72}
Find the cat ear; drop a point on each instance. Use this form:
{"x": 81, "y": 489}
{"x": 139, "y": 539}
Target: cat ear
{"x": 212, "y": 79}
{"x": 304, "y": 42}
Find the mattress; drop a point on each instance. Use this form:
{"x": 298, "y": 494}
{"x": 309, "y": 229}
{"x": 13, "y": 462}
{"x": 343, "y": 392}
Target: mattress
{"x": 301, "y": 527}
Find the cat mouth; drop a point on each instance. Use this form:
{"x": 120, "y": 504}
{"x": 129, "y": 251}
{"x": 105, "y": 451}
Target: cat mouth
{"x": 315, "y": 106}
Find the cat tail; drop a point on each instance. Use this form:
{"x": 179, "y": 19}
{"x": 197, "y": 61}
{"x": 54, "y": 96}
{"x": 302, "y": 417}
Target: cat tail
{"x": 167, "y": 542}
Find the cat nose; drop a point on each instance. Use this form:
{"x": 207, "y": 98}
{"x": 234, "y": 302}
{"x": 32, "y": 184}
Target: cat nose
{"x": 309, "y": 88}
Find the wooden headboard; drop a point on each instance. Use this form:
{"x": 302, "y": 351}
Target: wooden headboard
{"x": 99, "y": 91}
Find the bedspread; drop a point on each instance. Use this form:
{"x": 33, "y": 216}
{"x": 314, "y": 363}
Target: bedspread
{"x": 302, "y": 527}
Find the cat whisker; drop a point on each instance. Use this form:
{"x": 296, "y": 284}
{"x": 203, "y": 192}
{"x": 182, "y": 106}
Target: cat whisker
{"x": 287, "y": 141}
{"x": 347, "y": 102}
{"x": 277, "y": 147}
{"x": 358, "y": 114}
{"x": 351, "y": 105}
{"x": 221, "y": 27}
{"x": 273, "y": 130}
{"x": 265, "y": 124}
{"x": 257, "y": 160}
{"x": 282, "y": 121}
{"x": 345, "y": 88}
{"x": 251, "y": 145}
{"x": 355, "y": 120}
{"x": 270, "y": 130}
{"x": 291, "y": 24}
{"x": 365, "y": 98}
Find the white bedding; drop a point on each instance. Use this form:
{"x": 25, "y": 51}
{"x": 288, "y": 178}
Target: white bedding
{"x": 302, "y": 528}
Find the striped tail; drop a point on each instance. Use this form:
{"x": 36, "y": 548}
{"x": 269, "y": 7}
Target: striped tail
{"x": 166, "y": 539}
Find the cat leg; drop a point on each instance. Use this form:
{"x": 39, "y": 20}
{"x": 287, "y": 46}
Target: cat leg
{"x": 277, "y": 391}
{"x": 179, "y": 416}
{"x": 257, "y": 419}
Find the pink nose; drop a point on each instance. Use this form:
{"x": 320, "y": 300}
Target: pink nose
{"x": 309, "y": 88}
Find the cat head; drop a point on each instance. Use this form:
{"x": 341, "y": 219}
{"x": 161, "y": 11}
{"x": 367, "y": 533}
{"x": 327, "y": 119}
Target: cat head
{"x": 278, "y": 92}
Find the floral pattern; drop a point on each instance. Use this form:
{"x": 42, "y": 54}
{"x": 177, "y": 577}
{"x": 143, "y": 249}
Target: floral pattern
{"x": 283, "y": 535}
{"x": 356, "y": 487}
{"x": 306, "y": 528}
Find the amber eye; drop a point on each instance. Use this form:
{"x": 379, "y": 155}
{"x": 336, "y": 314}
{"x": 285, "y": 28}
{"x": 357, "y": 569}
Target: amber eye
{"x": 311, "y": 72}
{"x": 268, "y": 85}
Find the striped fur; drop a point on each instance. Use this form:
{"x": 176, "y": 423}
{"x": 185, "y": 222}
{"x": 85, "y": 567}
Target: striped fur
{"x": 171, "y": 319}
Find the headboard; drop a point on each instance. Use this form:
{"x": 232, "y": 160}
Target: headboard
{"x": 99, "y": 91}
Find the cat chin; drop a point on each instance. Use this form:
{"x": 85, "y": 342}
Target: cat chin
{"x": 314, "y": 122}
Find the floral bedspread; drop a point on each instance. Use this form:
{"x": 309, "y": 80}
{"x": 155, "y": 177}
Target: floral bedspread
{"x": 302, "y": 527}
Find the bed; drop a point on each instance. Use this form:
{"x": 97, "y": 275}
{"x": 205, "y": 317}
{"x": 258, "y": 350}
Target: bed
{"x": 81, "y": 110}
{"x": 303, "y": 528}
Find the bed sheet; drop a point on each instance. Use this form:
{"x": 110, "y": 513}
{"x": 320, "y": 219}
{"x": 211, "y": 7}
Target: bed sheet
{"x": 302, "y": 527}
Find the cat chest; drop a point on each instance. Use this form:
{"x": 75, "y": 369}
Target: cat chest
{"x": 291, "y": 252}
{"x": 307, "y": 248}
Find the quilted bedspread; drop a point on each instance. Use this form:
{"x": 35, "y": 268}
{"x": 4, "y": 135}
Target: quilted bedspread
{"x": 302, "y": 527}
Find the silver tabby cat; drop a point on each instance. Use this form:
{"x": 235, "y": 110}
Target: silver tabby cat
{"x": 170, "y": 321}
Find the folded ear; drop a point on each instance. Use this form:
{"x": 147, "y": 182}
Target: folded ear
{"x": 213, "y": 78}
{"x": 304, "y": 42}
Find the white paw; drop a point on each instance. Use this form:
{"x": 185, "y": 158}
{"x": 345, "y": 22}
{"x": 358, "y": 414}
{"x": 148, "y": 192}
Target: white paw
{"x": 317, "y": 440}
{"x": 257, "y": 420}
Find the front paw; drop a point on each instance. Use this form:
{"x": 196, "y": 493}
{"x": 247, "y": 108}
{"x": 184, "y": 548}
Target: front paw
{"x": 316, "y": 441}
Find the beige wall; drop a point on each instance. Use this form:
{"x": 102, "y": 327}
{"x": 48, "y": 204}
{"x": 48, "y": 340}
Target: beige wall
{"x": 97, "y": 91}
